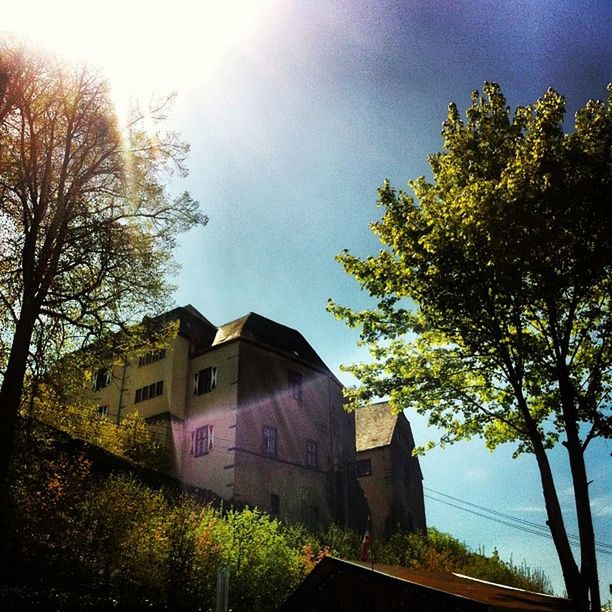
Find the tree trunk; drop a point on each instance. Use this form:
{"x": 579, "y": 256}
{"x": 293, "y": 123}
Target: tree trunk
{"x": 12, "y": 387}
{"x": 571, "y": 574}
{"x": 588, "y": 566}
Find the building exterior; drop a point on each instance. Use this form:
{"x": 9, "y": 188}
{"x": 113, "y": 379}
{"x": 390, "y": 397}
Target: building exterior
{"x": 344, "y": 586}
{"x": 389, "y": 475}
{"x": 248, "y": 410}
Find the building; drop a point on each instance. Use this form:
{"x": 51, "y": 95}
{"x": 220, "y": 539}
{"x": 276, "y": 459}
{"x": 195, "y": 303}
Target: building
{"x": 389, "y": 475}
{"x": 344, "y": 586}
{"x": 248, "y": 410}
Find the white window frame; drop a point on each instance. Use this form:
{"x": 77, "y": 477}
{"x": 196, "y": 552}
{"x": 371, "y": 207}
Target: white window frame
{"x": 213, "y": 380}
{"x": 202, "y": 440}
{"x": 107, "y": 380}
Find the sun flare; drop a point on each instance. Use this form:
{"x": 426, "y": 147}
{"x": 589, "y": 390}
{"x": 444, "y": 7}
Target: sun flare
{"x": 142, "y": 47}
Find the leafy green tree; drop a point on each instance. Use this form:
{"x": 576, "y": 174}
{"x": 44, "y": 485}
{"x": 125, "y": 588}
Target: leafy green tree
{"x": 493, "y": 293}
{"x": 86, "y": 225}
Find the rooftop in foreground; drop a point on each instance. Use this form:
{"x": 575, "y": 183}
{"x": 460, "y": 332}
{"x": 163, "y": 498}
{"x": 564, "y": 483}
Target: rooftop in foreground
{"x": 346, "y": 583}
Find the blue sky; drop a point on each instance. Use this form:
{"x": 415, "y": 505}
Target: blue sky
{"x": 291, "y": 139}
{"x": 295, "y": 116}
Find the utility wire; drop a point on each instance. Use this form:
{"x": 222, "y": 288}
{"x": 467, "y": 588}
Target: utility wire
{"x": 509, "y": 517}
{"x": 533, "y": 531}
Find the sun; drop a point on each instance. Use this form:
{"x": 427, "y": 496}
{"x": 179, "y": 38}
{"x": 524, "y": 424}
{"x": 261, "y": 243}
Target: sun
{"x": 141, "y": 46}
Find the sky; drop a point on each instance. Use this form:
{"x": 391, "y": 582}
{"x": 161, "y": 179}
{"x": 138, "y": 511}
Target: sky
{"x": 296, "y": 111}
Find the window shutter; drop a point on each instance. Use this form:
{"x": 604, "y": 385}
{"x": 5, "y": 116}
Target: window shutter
{"x": 191, "y": 452}
{"x": 210, "y": 437}
{"x": 195, "y": 383}
{"x": 213, "y": 378}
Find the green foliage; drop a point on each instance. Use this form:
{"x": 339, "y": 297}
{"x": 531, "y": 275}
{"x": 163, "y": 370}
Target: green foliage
{"x": 85, "y": 541}
{"x": 87, "y": 227}
{"x": 440, "y": 552}
{"x": 81, "y": 535}
{"x": 494, "y": 294}
{"x": 495, "y": 276}
{"x": 79, "y": 417}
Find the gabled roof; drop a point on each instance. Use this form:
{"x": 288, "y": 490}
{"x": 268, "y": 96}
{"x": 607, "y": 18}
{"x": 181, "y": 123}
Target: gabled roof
{"x": 268, "y": 333}
{"x": 374, "y": 426}
{"x": 443, "y": 591}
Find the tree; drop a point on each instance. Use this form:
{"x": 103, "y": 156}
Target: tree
{"x": 493, "y": 292}
{"x": 86, "y": 225}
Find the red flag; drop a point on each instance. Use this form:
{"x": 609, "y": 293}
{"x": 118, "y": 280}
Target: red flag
{"x": 365, "y": 544}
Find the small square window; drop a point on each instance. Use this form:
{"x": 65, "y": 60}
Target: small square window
{"x": 364, "y": 467}
{"x": 313, "y": 517}
{"x": 101, "y": 378}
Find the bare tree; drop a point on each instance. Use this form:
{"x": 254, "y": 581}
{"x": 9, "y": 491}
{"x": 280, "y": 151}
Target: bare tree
{"x": 86, "y": 225}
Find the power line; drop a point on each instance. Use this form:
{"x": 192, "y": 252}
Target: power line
{"x": 602, "y": 548}
{"x": 530, "y": 524}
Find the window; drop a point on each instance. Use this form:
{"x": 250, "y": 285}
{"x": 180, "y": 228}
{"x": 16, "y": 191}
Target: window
{"x": 150, "y": 357}
{"x": 202, "y": 440}
{"x": 313, "y": 517}
{"x": 205, "y": 381}
{"x": 149, "y": 391}
{"x": 269, "y": 442}
{"x": 101, "y": 378}
{"x": 274, "y": 504}
{"x": 312, "y": 454}
{"x": 364, "y": 467}
{"x": 295, "y": 385}
{"x": 103, "y": 410}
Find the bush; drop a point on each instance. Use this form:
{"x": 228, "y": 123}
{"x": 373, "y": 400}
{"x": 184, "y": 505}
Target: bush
{"x": 84, "y": 542}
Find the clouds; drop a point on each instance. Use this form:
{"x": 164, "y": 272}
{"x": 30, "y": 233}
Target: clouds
{"x": 601, "y": 506}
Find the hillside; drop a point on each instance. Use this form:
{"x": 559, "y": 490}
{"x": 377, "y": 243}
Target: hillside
{"x": 90, "y": 530}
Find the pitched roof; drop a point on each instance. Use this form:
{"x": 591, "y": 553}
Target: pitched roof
{"x": 441, "y": 587}
{"x": 374, "y": 426}
{"x": 268, "y": 333}
{"x": 192, "y": 324}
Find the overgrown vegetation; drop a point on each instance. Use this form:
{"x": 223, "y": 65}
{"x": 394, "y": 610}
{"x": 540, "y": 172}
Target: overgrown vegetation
{"x": 80, "y": 541}
{"x": 81, "y": 419}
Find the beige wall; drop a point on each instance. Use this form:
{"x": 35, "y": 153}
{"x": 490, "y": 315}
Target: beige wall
{"x": 394, "y": 490}
{"x": 252, "y": 391}
{"x": 119, "y": 396}
{"x": 378, "y": 487}
{"x": 265, "y": 400}
{"x": 215, "y": 470}
{"x": 408, "y": 503}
